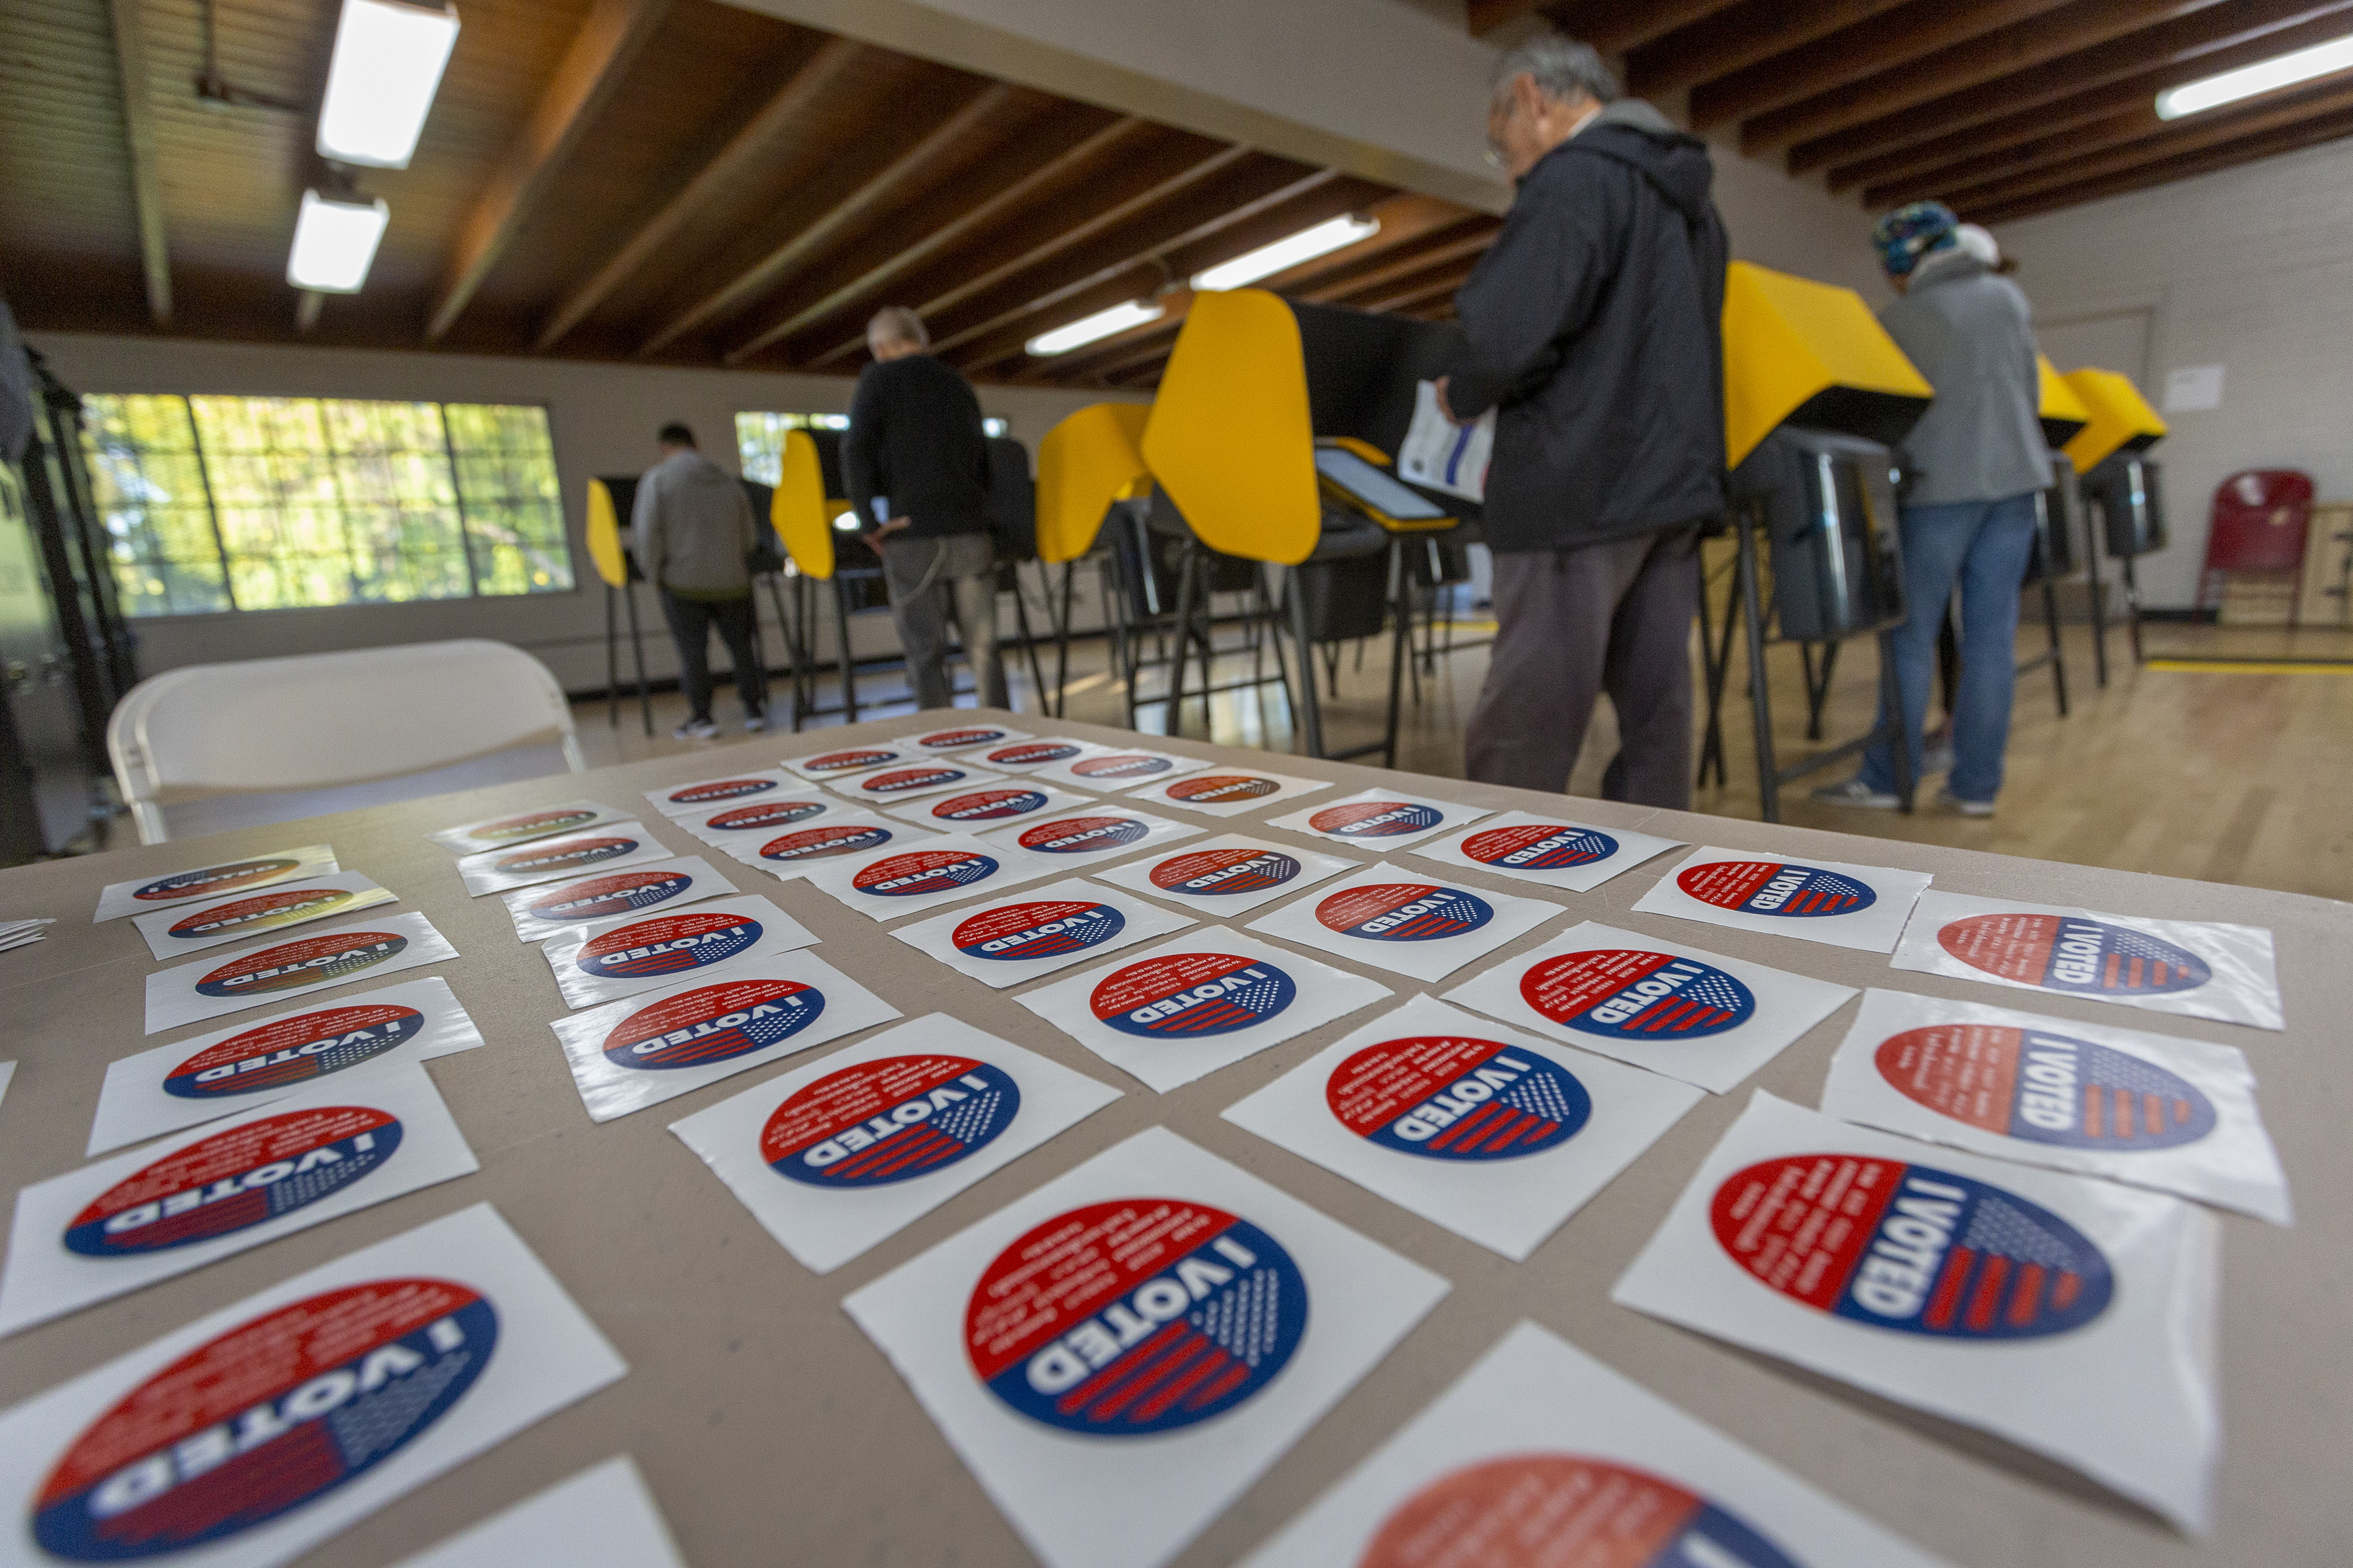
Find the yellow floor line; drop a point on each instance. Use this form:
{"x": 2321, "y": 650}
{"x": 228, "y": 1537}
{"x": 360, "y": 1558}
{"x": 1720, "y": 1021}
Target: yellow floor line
{"x": 2233, "y": 666}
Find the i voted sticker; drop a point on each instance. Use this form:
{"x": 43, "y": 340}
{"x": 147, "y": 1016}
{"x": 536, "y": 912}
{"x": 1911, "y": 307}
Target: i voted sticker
{"x": 1403, "y": 912}
{"x": 667, "y": 944}
{"x": 889, "y": 1120}
{"x": 1775, "y": 888}
{"x": 1209, "y": 872}
{"x": 1910, "y": 1247}
{"x": 263, "y": 912}
{"x": 909, "y": 781}
{"x": 228, "y": 879}
{"x": 532, "y": 825}
{"x": 714, "y": 1024}
{"x": 571, "y": 856}
{"x": 1133, "y": 1317}
{"x": 310, "y": 961}
{"x": 988, "y": 804}
{"x": 290, "y": 1051}
{"x": 1048, "y": 929}
{"x": 958, "y": 739}
{"x": 1191, "y": 995}
{"x": 1032, "y": 753}
{"x": 2071, "y": 952}
{"x": 1374, "y": 818}
{"x": 768, "y": 814}
{"x": 1221, "y": 789}
{"x": 1122, "y": 765}
{"x": 268, "y": 1417}
{"x": 1539, "y": 847}
{"x": 824, "y": 843}
{"x": 622, "y": 893}
{"x": 1626, "y": 995}
{"x": 234, "y": 1181}
{"x": 2045, "y": 1088}
{"x": 1451, "y": 1097}
{"x": 921, "y": 871}
{"x": 718, "y": 790}
{"x": 1566, "y": 1511}
{"x": 1083, "y": 834}
{"x": 846, "y": 762}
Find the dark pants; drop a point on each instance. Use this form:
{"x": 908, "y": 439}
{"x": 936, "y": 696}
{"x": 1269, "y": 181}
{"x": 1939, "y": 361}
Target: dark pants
{"x": 691, "y": 621}
{"x": 929, "y": 578}
{"x": 1570, "y": 624}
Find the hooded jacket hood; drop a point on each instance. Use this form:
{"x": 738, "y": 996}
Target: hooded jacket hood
{"x": 1633, "y": 134}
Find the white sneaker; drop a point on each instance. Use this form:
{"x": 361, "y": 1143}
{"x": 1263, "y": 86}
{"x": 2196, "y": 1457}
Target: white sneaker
{"x": 1854, "y": 792}
{"x": 694, "y": 729}
{"x": 754, "y": 723}
{"x": 1965, "y": 807}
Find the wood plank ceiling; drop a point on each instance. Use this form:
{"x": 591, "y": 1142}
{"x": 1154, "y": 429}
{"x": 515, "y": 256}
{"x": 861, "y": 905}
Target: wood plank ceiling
{"x": 671, "y": 182}
{"x": 2002, "y": 107}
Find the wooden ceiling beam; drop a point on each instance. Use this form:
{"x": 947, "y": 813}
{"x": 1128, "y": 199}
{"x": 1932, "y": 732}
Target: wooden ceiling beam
{"x": 1356, "y": 294}
{"x": 139, "y": 147}
{"x": 584, "y": 82}
{"x": 1404, "y": 266}
{"x": 1614, "y": 26}
{"x": 1416, "y": 293}
{"x": 696, "y": 190}
{"x": 1842, "y": 61}
{"x": 2329, "y": 128}
{"x": 1732, "y": 40}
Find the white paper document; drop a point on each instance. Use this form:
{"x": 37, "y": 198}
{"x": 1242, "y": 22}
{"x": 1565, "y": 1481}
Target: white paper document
{"x": 1543, "y": 1456}
{"x": 1860, "y": 907}
{"x": 2176, "y": 1115}
{"x": 961, "y": 738}
{"x": 294, "y": 966}
{"x": 2072, "y": 1316}
{"x": 1441, "y": 454}
{"x": 1120, "y": 1354}
{"x": 990, "y": 806}
{"x": 2197, "y": 968}
{"x": 207, "y": 1077}
{"x": 1226, "y": 792}
{"x": 840, "y": 1155}
{"x": 1109, "y": 769}
{"x": 253, "y": 1433}
{"x": 1103, "y": 831}
{"x": 242, "y": 917}
{"x": 607, "y": 960}
{"x": 523, "y": 826}
{"x": 1391, "y": 920}
{"x": 706, "y": 795}
{"x": 602, "y": 1518}
{"x": 140, "y": 894}
{"x": 552, "y": 909}
{"x": 1547, "y": 849}
{"x": 1227, "y": 875}
{"x": 1030, "y": 753}
{"x": 1492, "y": 1134}
{"x": 789, "y": 853}
{"x": 1201, "y": 1002}
{"x": 756, "y": 821}
{"x": 1682, "y": 1011}
{"x": 626, "y": 1055}
{"x": 610, "y": 846}
{"x": 1380, "y": 819}
{"x": 1038, "y": 932}
{"x": 884, "y": 884}
{"x": 925, "y": 776}
{"x": 164, "y": 1209}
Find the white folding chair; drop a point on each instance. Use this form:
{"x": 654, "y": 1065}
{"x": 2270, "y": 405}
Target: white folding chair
{"x": 324, "y": 720}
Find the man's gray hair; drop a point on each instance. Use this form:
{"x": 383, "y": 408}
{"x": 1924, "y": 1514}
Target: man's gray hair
{"x": 898, "y": 324}
{"x": 1563, "y": 68}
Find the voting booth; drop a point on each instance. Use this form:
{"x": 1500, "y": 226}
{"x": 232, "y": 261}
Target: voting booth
{"x": 2123, "y": 495}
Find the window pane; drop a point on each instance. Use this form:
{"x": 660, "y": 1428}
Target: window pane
{"x": 150, "y": 494}
{"x": 505, "y": 475}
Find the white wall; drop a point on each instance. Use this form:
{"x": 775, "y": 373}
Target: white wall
{"x": 2250, "y": 268}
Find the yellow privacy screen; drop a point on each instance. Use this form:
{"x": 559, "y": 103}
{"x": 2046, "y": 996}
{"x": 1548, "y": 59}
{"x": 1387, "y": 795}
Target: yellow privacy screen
{"x": 604, "y": 536}
{"x": 799, "y": 511}
{"x": 1230, "y": 439}
{"x": 1802, "y": 352}
{"x": 2122, "y": 419}
{"x": 1085, "y": 463}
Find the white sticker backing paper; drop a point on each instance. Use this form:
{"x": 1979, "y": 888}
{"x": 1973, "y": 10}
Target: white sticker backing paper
{"x": 1860, "y": 907}
{"x": 242, "y": 917}
{"x": 2197, "y": 968}
{"x": 1388, "y": 919}
{"x": 1492, "y": 1134}
{"x": 1690, "y": 1015}
{"x": 1203, "y": 1001}
{"x": 704, "y": 796}
{"x": 1227, "y": 876}
{"x": 523, "y": 826}
{"x": 989, "y": 807}
{"x": 294, "y": 966}
{"x": 1119, "y": 1355}
{"x": 1041, "y": 932}
{"x": 757, "y": 821}
{"x": 838, "y": 1156}
{"x": 162, "y": 1210}
{"x": 602, "y": 1518}
{"x": 607, "y": 960}
{"x": 2151, "y": 1110}
{"x": 1030, "y": 753}
{"x": 610, "y": 846}
{"x": 440, "y": 1344}
{"x": 552, "y": 910}
{"x": 789, "y": 854}
{"x": 1096, "y": 833}
{"x": 1226, "y": 792}
{"x": 1547, "y": 849}
{"x": 886, "y": 883}
{"x": 1108, "y": 769}
{"x": 848, "y": 762}
{"x": 961, "y": 738}
{"x": 141, "y": 894}
{"x": 1381, "y": 820}
{"x": 2072, "y": 1316}
{"x": 925, "y": 776}
{"x": 1549, "y": 1458}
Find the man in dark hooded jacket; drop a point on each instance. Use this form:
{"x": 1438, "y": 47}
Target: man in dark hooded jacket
{"x": 1595, "y": 327}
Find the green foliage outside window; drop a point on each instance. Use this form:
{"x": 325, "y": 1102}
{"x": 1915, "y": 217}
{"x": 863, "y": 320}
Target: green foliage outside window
{"x": 760, "y": 439}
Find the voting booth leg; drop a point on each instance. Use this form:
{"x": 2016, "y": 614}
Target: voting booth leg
{"x": 2132, "y": 612}
{"x": 841, "y": 637}
{"x": 784, "y": 635}
{"x": 637, "y": 654}
{"x": 1400, "y": 643}
{"x": 1029, "y": 641}
{"x": 2052, "y": 654}
{"x": 1818, "y": 683}
{"x": 611, "y": 665}
{"x": 1311, "y": 710}
{"x": 2097, "y": 584}
{"x": 1062, "y": 631}
{"x": 1187, "y": 559}
{"x": 1716, "y": 654}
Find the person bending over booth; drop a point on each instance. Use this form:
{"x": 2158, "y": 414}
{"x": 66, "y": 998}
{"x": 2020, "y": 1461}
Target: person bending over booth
{"x": 1595, "y": 323}
{"x": 694, "y": 534}
{"x": 916, "y": 464}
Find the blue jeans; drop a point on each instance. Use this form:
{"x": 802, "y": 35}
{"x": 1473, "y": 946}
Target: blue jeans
{"x": 1985, "y": 547}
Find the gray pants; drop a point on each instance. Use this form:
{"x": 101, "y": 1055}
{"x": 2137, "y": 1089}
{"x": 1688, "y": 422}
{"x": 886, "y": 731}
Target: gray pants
{"x": 925, "y": 576}
{"x": 1572, "y": 623}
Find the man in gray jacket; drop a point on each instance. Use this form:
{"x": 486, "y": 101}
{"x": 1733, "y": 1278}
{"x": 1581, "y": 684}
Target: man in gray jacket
{"x": 1969, "y": 518}
{"x": 693, "y": 530}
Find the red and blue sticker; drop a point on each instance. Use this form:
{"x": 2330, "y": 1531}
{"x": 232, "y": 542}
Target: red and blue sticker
{"x": 1454, "y": 1096}
{"x": 1122, "y": 765}
{"x": 1032, "y": 753}
{"x": 1221, "y": 789}
{"x": 1910, "y": 1247}
{"x": 263, "y": 910}
{"x": 1539, "y": 847}
{"x": 2072, "y": 954}
{"x": 1137, "y": 1316}
{"x": 1046, "y": 929}
{"x": 312, "y": 961}
{"x": 1084, "y": 834}
{"x": 1403, "y": 912}
{"x": 535, "y": 824}
{"x": 215, "y": 879}
{"x": 958, "y": 739}
{"x": 824, "y": 843}
{"x": 269, "y": 1416}
{"x": 2045, "y": 1088}
{"x": 988, "y": 804}
{"x": 717, "y": 790}
{"x": 767, "y": 814}
{"x": 889, "y": 1120}
{"x": 1775, "y": 888}
{"x": 1191, "y": 995}
{"x": 1376, "y": 818}
{"x": 567, "y": 856}
{"x": 293, "y": 1051}
{"x": 1207, "y": 873}
{"x": 622, "y": 893}
{"x": 667, "y": 944}
{"x": 909, "y": 781}
{"x": 234, "y": 1181}
{"x": 1553, "y": 1511}
{"x": 921, "y": 871}
{"x": 714, "y": 1024}
{"x": 1624, "y": 994}
{"x": 848, "y": 762}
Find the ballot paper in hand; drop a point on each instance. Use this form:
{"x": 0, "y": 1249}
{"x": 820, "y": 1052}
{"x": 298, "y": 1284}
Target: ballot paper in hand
{"x": 1441, "y": 454}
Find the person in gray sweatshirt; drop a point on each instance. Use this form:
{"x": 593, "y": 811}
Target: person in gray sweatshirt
{"x": 693, "y": 529}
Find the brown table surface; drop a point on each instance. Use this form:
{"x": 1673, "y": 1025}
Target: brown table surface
{"x": 773, "y": 1431}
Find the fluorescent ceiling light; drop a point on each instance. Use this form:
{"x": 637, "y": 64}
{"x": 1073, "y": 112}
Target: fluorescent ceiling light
{"x": 386, "y": 66}
{"x": 1284, "y": 254}
{"x": 1102, "y": 325}
{"x": 334, "y": 242}
{"x": 2263, "y": 76}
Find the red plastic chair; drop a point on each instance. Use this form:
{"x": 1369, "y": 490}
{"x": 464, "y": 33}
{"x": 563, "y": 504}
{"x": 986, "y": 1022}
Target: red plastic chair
{"x": 2260, "y": 520}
